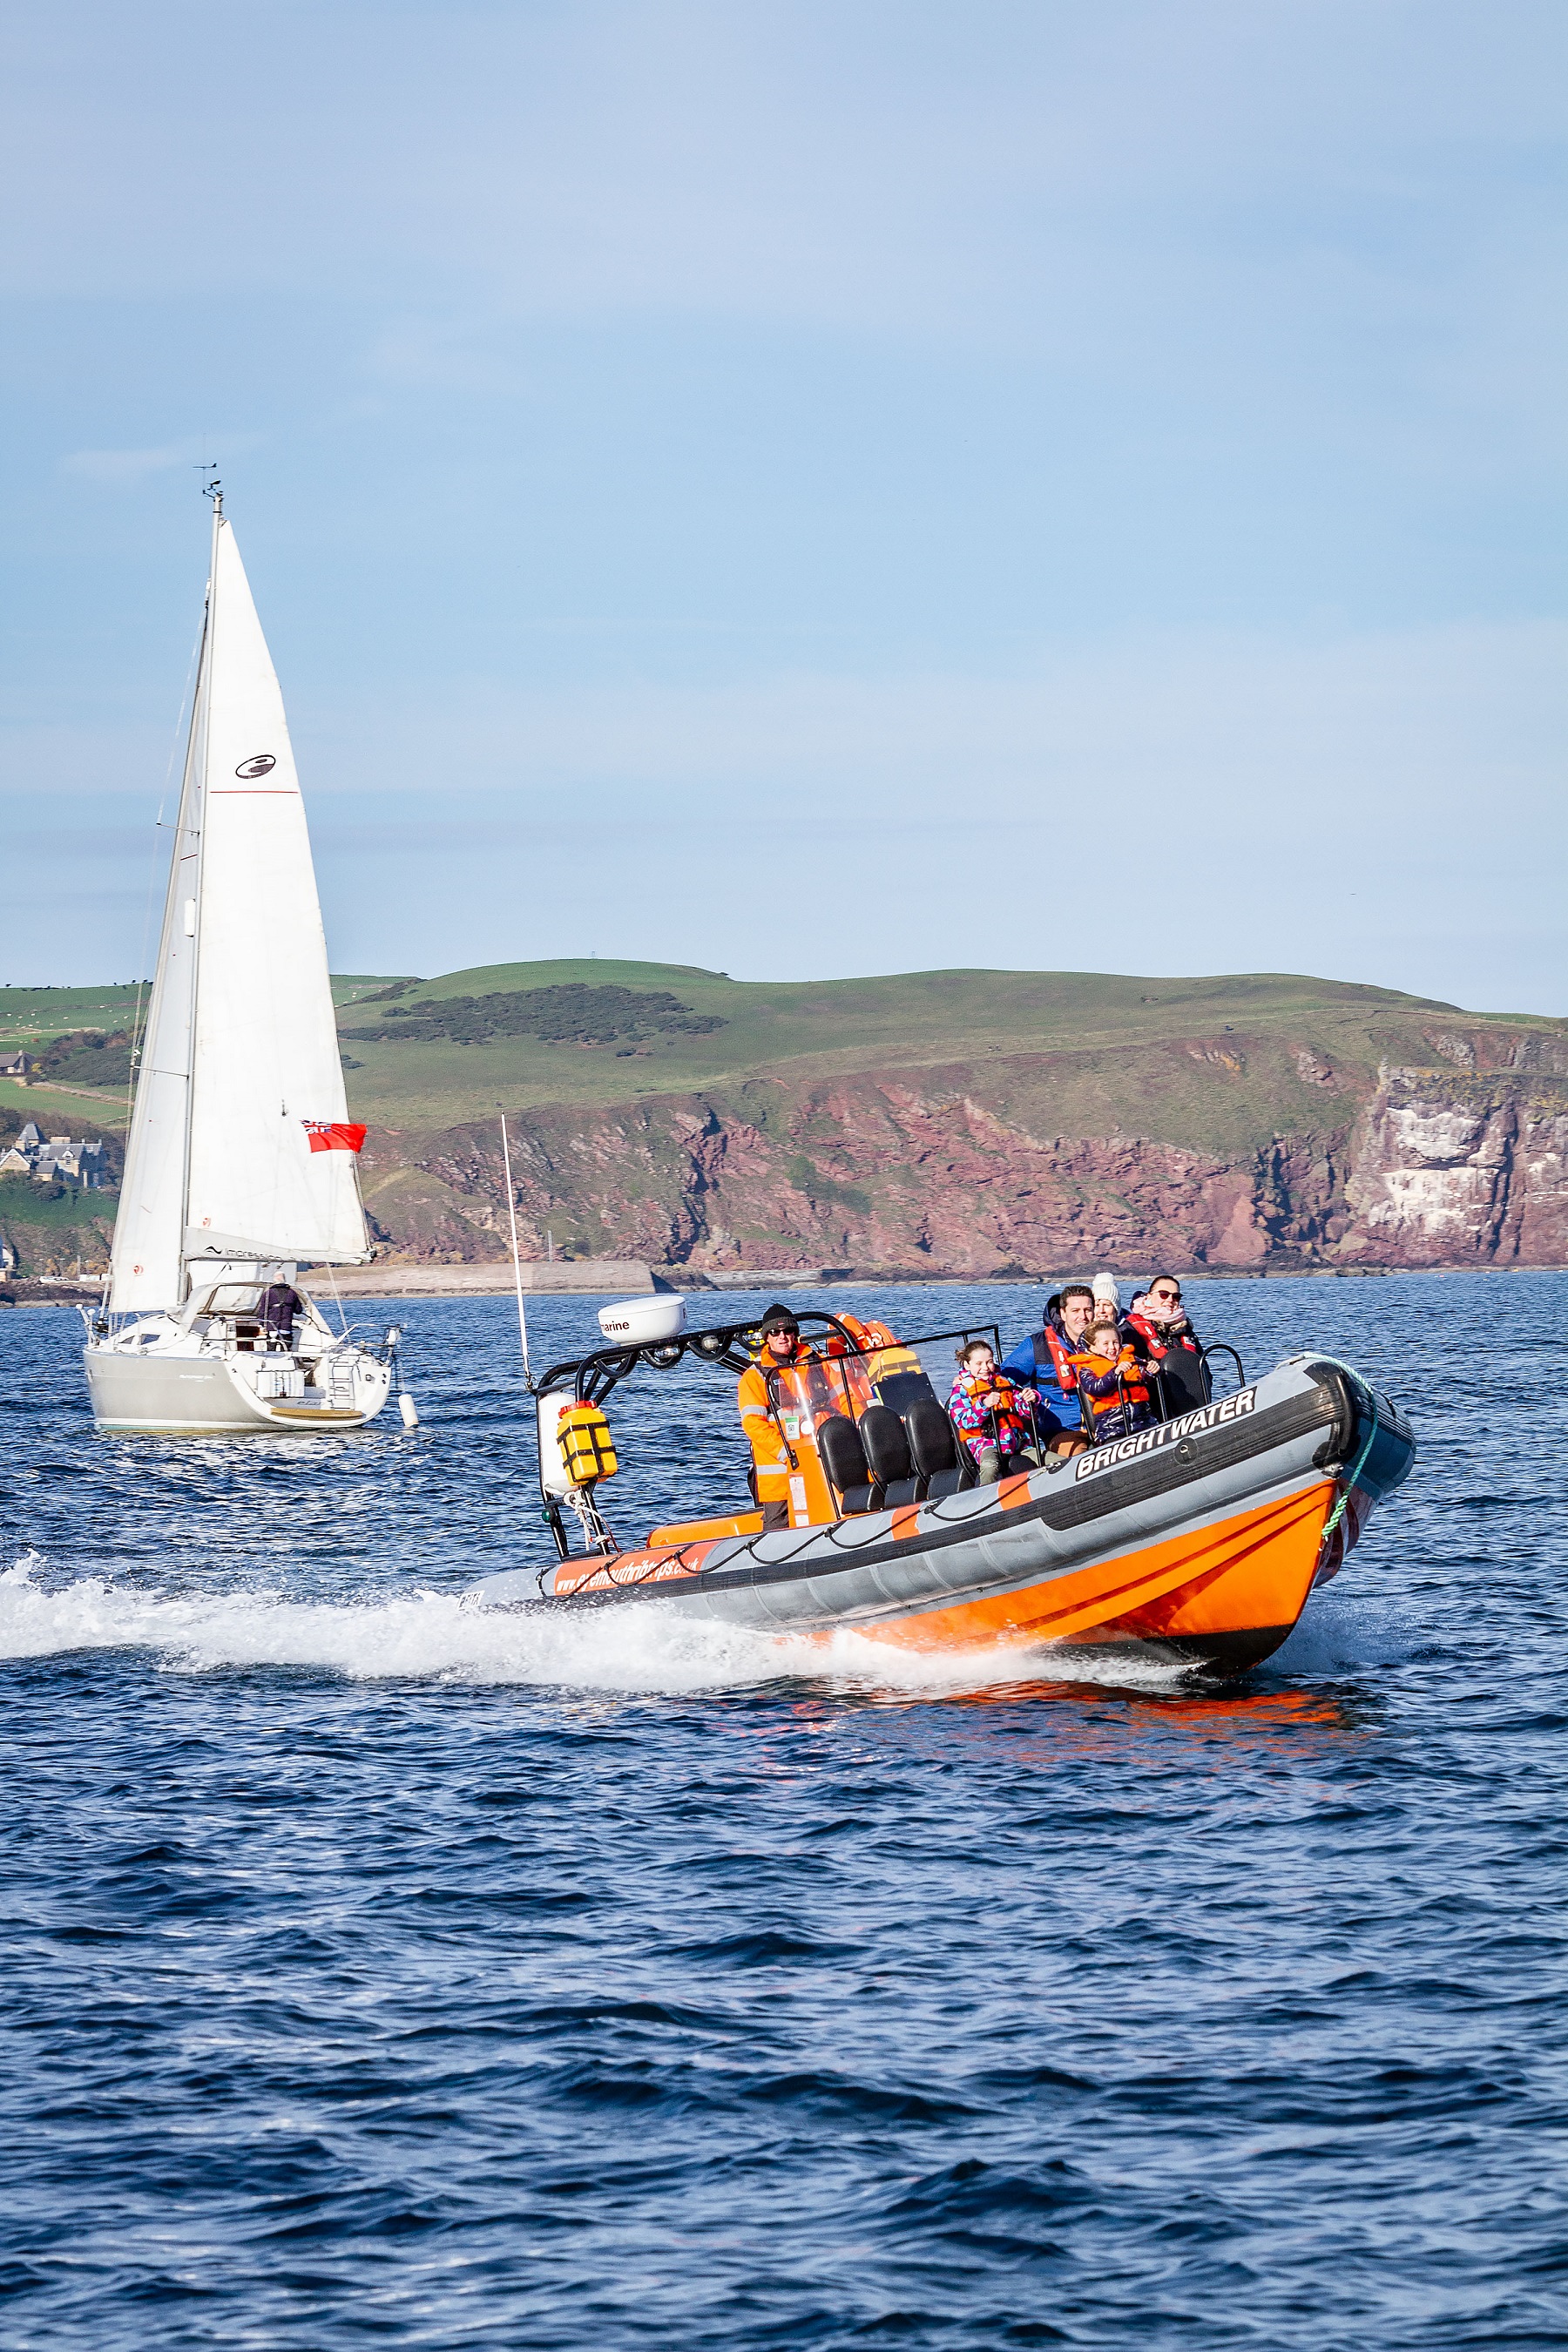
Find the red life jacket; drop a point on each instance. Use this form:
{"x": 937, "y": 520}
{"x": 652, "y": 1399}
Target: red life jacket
{"x": 1159, "y": 1338}
{"x": 1062, "y": 1358}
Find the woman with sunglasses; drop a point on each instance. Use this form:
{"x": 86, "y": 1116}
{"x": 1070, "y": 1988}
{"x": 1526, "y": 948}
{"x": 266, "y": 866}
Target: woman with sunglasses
{"x": 1165, "y": 1336}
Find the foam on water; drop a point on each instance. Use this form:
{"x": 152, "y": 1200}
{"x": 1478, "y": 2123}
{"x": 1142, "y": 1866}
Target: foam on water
{"x": 637, "y": 1649}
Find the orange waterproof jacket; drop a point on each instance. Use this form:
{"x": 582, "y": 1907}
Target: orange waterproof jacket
{"x": 765, "y": 1425}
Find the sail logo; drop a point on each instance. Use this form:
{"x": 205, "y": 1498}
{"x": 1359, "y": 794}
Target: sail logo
{"x": 262, "y": 764}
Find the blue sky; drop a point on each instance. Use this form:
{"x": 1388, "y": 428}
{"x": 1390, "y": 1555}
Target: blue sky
{"x": 809, "y": 488}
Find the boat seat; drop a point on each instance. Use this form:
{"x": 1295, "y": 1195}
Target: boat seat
{"x": 888, "y": 1451}
{"x": 901, "y": 1390}
{"x": 844, "y": 1459}
{"x": 944, "y": 1467}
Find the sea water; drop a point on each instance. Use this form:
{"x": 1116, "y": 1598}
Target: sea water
{"x": 379, "y": 1971}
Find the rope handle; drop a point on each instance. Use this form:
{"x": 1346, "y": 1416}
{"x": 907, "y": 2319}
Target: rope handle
{"x": 1337, "y": 1514}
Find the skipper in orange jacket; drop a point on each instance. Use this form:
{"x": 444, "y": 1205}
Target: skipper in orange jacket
{"x": 780, "y": 1347}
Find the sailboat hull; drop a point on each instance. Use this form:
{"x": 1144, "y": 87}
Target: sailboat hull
{"x": 206, "y": 1396}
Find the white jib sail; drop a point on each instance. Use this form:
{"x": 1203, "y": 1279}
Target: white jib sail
{"x": 241, "y": 1055}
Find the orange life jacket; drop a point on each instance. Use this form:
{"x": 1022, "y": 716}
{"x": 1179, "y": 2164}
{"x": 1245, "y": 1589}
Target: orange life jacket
{"x": 1129, "y": 1390}
{"x": 780, "y": 1406}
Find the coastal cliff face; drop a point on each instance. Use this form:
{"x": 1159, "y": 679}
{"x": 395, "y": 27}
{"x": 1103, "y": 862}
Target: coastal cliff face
{"x": 954, "y": 1169}
{"x": 1455, "y": 1170}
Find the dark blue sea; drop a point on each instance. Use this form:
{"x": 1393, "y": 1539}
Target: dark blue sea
{"x": 380, "y": 1973}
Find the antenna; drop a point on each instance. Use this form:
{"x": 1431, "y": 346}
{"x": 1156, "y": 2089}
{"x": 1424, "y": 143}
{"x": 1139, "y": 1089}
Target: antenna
{"x": 516, "y": 1260}
{"x": 212, "y": 490}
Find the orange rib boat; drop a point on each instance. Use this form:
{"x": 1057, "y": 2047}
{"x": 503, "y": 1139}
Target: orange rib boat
{"x": 1198, "y": 1542}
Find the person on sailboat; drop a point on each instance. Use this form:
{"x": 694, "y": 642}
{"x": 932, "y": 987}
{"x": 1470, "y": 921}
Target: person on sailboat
{"x": 276, "y": 1309}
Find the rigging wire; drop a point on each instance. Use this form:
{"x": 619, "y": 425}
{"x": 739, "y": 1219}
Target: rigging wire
{"x": 516, "y": 1260}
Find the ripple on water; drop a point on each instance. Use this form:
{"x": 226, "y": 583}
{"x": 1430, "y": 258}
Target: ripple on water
{"x": 383, "y": 1968}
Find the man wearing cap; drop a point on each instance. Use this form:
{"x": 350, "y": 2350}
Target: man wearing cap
{"x": 780, "y": 1347}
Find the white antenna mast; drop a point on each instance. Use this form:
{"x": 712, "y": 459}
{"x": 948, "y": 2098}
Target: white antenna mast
{"x": 516, "y": 1260}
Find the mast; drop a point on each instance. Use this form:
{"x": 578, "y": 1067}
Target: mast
{"x": 214, "y": 490}
{"x": 146, "y": 1265}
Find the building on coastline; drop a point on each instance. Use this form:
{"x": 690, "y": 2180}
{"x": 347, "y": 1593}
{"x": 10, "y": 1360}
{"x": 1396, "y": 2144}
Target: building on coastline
{"x": 56, "y": 1159}
{"x": 16, "y": 1066}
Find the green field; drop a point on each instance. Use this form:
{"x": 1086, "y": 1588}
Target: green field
{"x": 1214, "y": 1060}
{"x": 31, "y": 1019}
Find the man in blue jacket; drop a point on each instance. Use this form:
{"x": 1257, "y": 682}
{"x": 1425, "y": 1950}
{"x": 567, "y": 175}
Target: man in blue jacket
{"x": 1041, "y": 1359}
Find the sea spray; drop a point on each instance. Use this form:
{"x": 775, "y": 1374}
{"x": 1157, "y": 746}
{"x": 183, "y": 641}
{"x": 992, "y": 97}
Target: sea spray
{"x": 637, "y": 1648}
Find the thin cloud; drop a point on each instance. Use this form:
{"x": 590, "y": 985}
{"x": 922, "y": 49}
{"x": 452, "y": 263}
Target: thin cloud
{"x": 124, "y": 467}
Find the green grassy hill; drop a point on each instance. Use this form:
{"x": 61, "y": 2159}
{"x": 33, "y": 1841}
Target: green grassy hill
{"x": 664, "y": 1110}
{"x": 1156, "y": 1057}
{"x": 33, "y": 1019}
{"x": 1119, "y": 1050}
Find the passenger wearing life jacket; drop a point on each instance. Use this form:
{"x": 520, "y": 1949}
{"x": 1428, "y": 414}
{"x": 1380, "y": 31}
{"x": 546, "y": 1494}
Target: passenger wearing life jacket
{"x": 779, "y": 1349}
{"x": 1165, "y": 1336}
{"x": 991, "y": 1412}
{"x": 1110, "y": 1380}
{"x": 1045, "y": 1360}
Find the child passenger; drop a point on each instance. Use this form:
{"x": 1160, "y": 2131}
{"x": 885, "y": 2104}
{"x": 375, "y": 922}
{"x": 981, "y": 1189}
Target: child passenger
{"x": 1115, "y": 1397}
{"x": 992, "y": 1414}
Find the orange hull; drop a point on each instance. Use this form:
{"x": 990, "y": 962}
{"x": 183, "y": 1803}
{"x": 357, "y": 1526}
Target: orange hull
{"x": 1239, "y": 1585}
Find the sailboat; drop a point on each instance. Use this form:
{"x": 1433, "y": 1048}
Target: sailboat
{"x": 241, "y": 1164}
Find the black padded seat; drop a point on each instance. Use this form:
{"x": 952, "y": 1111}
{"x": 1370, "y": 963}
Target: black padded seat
{"x": 945, "y": 1467}
{"x": 887, "y": 1448}
{"x": 844, "y": 1459}
{"x": 931, "y": 1438}
{"x": 900, "y": 1390}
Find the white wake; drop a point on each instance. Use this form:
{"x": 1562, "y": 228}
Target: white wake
{"x": 634, "y": 1648}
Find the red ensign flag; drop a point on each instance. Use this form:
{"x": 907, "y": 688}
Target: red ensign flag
{"x": 327, "y": 1137}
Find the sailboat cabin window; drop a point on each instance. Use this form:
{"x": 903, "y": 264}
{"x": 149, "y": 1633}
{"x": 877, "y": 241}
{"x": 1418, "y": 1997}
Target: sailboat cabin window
{"x": 233, "y": 1298}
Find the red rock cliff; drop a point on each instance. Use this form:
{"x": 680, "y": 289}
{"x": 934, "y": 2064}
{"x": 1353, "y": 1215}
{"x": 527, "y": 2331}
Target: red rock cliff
{"x": 955, "y": 1170}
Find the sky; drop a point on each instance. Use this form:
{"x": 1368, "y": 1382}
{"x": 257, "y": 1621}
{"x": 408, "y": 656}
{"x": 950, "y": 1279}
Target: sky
{"x": 805, "y": 490}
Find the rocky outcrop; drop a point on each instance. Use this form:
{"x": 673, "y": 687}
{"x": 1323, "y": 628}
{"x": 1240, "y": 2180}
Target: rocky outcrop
{"x": 1456, "y": 1169}
{"x": 951, "y": 1170}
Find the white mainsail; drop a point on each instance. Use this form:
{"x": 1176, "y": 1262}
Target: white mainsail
{"x": 241, "y": 1055}
{"x": 149, "y": 1231}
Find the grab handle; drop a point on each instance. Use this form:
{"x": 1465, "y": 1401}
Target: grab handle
{"x": 1219, "y": 1347}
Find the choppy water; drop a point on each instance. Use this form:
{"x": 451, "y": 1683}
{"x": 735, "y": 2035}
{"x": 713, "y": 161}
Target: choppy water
{"x": 377, "y": 1972}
